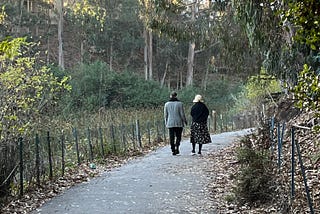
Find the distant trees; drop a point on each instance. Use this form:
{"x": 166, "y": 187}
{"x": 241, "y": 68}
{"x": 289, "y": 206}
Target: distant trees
{"x": 157, "y": 39}
{"x": 177, "y": 43}
{"x": 237, "y": 38}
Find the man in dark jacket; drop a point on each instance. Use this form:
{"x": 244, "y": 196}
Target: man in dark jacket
{"x": 174, "y": 120}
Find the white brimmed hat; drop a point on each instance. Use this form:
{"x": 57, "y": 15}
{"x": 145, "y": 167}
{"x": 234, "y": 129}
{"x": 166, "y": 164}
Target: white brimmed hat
{"x": 197, "y": 98}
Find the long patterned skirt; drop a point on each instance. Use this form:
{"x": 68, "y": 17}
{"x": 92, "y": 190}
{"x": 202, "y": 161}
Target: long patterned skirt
{"x": 200, "y": 133}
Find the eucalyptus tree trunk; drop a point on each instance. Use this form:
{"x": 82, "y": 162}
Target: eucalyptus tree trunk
{"x": 148, "y": 54}
{"x": 190, "y": 64}
{"x": 191, "y": 48}
{"x": 20, "y": 15}
{"x": 205, "y": 79}
{"x": 145, "y": 53}
{"x": 60, "y": 31}
{"x": 165, "y": 73}
{"x": 178, "y": 80}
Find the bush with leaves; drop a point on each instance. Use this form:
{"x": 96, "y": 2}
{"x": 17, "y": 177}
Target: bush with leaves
{"x": 255, "y": 174}
{"x": 307, "y": 91}
{"x": 94, "y": 86}
{"x": 29, "y": 92}
{"x": 28, "y": 89}
{"x": 305, "y": 17}
{"x": 259, "y": 86}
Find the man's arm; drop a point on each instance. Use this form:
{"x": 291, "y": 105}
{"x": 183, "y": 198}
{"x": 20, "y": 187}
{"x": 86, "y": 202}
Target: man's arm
{"x": 165, "y": 114}
{"x": 183, "y": 116}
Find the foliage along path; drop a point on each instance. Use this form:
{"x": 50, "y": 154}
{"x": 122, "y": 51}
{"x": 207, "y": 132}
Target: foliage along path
{"x": 156, "y": 183}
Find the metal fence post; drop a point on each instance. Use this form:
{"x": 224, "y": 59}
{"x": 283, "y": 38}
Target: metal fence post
{"x": 149, "y": 132}
{"x": 280, "y": 141}
{"x": 279, "y": 145}
{"x": 133, "y": 136}
{"x": 113, "y": 138}
{"x": 138, "y": 133}
{"x": 62, "y": 154}
{"x": 50, "y": 155}
{"x": 21, "y": 165}
{"x": 304, "y": 179}
{"x": 101, "y": 142}
{"x": 292, "y": 162}
{"x": 271, "y": 134}
{"x": 75, "y": 135}
{"x": 37, "y": 159}
{"x": 123, "y": 137}
{"x": 90, "y": 145}
{"x": 158, "y": 134}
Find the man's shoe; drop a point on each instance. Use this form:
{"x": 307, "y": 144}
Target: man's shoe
{"x": 174, "y": 153}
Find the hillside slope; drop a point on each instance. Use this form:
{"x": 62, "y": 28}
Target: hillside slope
{"x": 306, "y": 199}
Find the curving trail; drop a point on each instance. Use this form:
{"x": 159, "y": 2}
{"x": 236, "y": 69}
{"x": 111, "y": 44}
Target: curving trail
{"x": 154, "y": 184}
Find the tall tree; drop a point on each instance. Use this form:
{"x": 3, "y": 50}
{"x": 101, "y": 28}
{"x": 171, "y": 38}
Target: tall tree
{"x": 145, "y": 8}
{"x": 189, "y": 81}
{"x": 60, "y": 33}
{"x": 87, "y": 19}
{"x": 148, "y": 53}
{"x": 195, "y": 22}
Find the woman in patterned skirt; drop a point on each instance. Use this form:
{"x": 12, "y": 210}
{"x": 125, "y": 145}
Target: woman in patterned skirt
{"x": 199, "y": 129}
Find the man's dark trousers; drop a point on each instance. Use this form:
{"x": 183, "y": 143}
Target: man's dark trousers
{"x": 175, "y": 134}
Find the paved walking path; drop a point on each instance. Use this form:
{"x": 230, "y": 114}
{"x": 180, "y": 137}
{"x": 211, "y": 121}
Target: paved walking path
{"x": 154, "y": 184}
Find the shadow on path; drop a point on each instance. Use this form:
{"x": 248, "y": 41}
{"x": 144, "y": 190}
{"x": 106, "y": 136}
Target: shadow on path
{"x": 153, "y": 184}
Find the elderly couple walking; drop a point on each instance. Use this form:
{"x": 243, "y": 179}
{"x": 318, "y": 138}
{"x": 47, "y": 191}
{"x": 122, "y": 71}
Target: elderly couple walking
{"x": 175, "y": 120}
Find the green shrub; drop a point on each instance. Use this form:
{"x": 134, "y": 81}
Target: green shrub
{"x": 254, "y": 180}
{"x": 307, "y": 92}
{"x": 94, "y": 86}
{"x": 260, "y": 85}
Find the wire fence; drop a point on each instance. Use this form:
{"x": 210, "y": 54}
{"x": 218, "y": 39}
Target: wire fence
{"x": 48, "y": 153}
{"x": 277, "y": 133}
